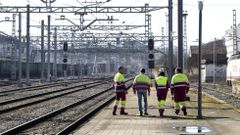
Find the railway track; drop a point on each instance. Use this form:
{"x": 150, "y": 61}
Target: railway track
{"x": 43, "y": 86}
{"x": 4, "y": 83}
{"x": 221, "y": 92}
{"x": 70, "y": 116}
{"x": 18, "y": 103}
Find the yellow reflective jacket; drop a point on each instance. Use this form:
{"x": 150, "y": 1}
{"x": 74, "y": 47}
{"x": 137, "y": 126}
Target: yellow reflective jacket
{"x": 119, "y": 82}
{"x": 141, "y": 81}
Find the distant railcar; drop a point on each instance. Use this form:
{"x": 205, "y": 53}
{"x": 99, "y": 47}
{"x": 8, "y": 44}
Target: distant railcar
{"x": 233, "y": 69}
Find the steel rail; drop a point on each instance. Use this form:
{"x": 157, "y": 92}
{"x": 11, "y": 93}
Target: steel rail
{"x": 212, "y": 89}
{"x": 44, "y": 117}
{"x": 46, "y": 93}
{"x": 38, "y": 86}
{"x": 48, "y": 98}
{"x": 86, "y": 117}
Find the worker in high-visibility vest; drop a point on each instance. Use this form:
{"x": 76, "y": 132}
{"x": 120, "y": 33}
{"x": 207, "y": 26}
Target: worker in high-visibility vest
{"x": 162, "y": 86}
{"x": 141, "y": 85}
{"x": 179, "y": 89}
{"x": 120, "y": 90}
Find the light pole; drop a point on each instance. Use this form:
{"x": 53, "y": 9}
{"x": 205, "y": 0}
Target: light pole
{"x": 200, "y": 6}
{"x": 170, "y": 40}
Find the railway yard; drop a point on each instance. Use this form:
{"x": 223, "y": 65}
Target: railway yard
{"x": 57, "y": 109}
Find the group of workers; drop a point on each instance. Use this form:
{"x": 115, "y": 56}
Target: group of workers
{"x": 141, "y": 85}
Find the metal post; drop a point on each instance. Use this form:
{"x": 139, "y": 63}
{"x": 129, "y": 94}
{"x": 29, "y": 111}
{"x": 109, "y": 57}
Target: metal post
{"x": 185, "y": 52}
{"x": 48, "y": 56}
{"x": 170, "y": 40}
{"x": 13, "y": 50}
{"x": 180, "y": 34}
{"x": 200, "y": 4}
{"x": 234, "y": 36}
{"x": 214, "y": 62}
{"x": 55, "y": 56}
{"x": 72, "y": 53}
{"x": 28, "y": 47}
{"x": 20, "y": 51}
{"x": 42, "y": 51}
{"x": 81, "y": 21}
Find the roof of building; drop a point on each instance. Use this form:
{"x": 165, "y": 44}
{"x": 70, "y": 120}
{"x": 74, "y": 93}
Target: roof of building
{"x": 208, "y": 48}
{"x": 212, "y": 51}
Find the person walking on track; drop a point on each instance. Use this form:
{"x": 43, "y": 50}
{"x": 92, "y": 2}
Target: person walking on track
{"x": 162, "y": 87}
{"x": 141, "y": 85}
{"x": 179, "y": 89}
{"x": 120, "y": 90}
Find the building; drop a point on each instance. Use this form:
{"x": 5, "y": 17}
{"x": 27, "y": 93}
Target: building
{"x": 214, "y": 60}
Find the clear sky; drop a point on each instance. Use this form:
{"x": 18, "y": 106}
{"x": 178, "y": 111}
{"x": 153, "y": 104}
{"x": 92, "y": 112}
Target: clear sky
{"x": 217, "y": 15}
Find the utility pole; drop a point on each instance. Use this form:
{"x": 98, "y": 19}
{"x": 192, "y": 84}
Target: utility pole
{"x": 72, "y": 55}
{"x": 180, "y": 34}
{"x": 170, "y": 40}
{"x": 42, "y": 51}
{"x": 55, "y": 55}
{"x": 28, "y": 47}
{"x": 48, "y": 56}
{"x": 20, "y": 51}
{"x": 200, "y": 6}
{"x": 214, "y": 61}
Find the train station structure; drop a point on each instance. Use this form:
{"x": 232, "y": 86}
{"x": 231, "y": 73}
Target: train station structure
{"x": 63, "y": 63}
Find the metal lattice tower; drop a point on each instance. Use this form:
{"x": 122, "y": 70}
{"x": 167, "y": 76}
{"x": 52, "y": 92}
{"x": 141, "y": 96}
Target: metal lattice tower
{"x": 76, "y": 10}
{"x": 13, "y": 55}
{"x": 146, "y": 23}
{"x": 163, "y": 41}
{"x": 185, "y": 46}
{"x": 14, "y": 25}
{"x": 235, "y": 48}
{"x": 150, "y": 26}
{"x": 166, "y": 32}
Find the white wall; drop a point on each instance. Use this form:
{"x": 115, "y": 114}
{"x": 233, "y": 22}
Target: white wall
{"x": 208, "y": 71}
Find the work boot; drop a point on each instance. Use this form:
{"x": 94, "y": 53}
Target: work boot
{"x": 146, "y": 113}
{"x": 184, "y": 109}
{"x": 177, "y": 111}
{"x": 122, "y": 112}
{"x": 161, "y": 111}
{"x": 114, "y": 110}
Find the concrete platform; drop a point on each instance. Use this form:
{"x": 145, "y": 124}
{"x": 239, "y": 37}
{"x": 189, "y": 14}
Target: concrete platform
{"x": 219, "y": 117}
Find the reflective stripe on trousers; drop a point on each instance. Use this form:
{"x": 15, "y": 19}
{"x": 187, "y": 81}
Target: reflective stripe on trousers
{"x": 120, "y": 99}
{"x": 161, "y": 104}
{"x": 179, "y": 105}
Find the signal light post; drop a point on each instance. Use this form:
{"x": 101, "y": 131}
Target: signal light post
{"x": 151, "y": 54}
{"x": 65, "y": 49}
{"x": 151, "y": 63}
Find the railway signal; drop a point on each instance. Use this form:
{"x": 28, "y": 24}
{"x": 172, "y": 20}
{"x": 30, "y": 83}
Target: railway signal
{"x": 65, "y": 46}
{"x": 65, "y": 49}
{"x": 151, "y": 63}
